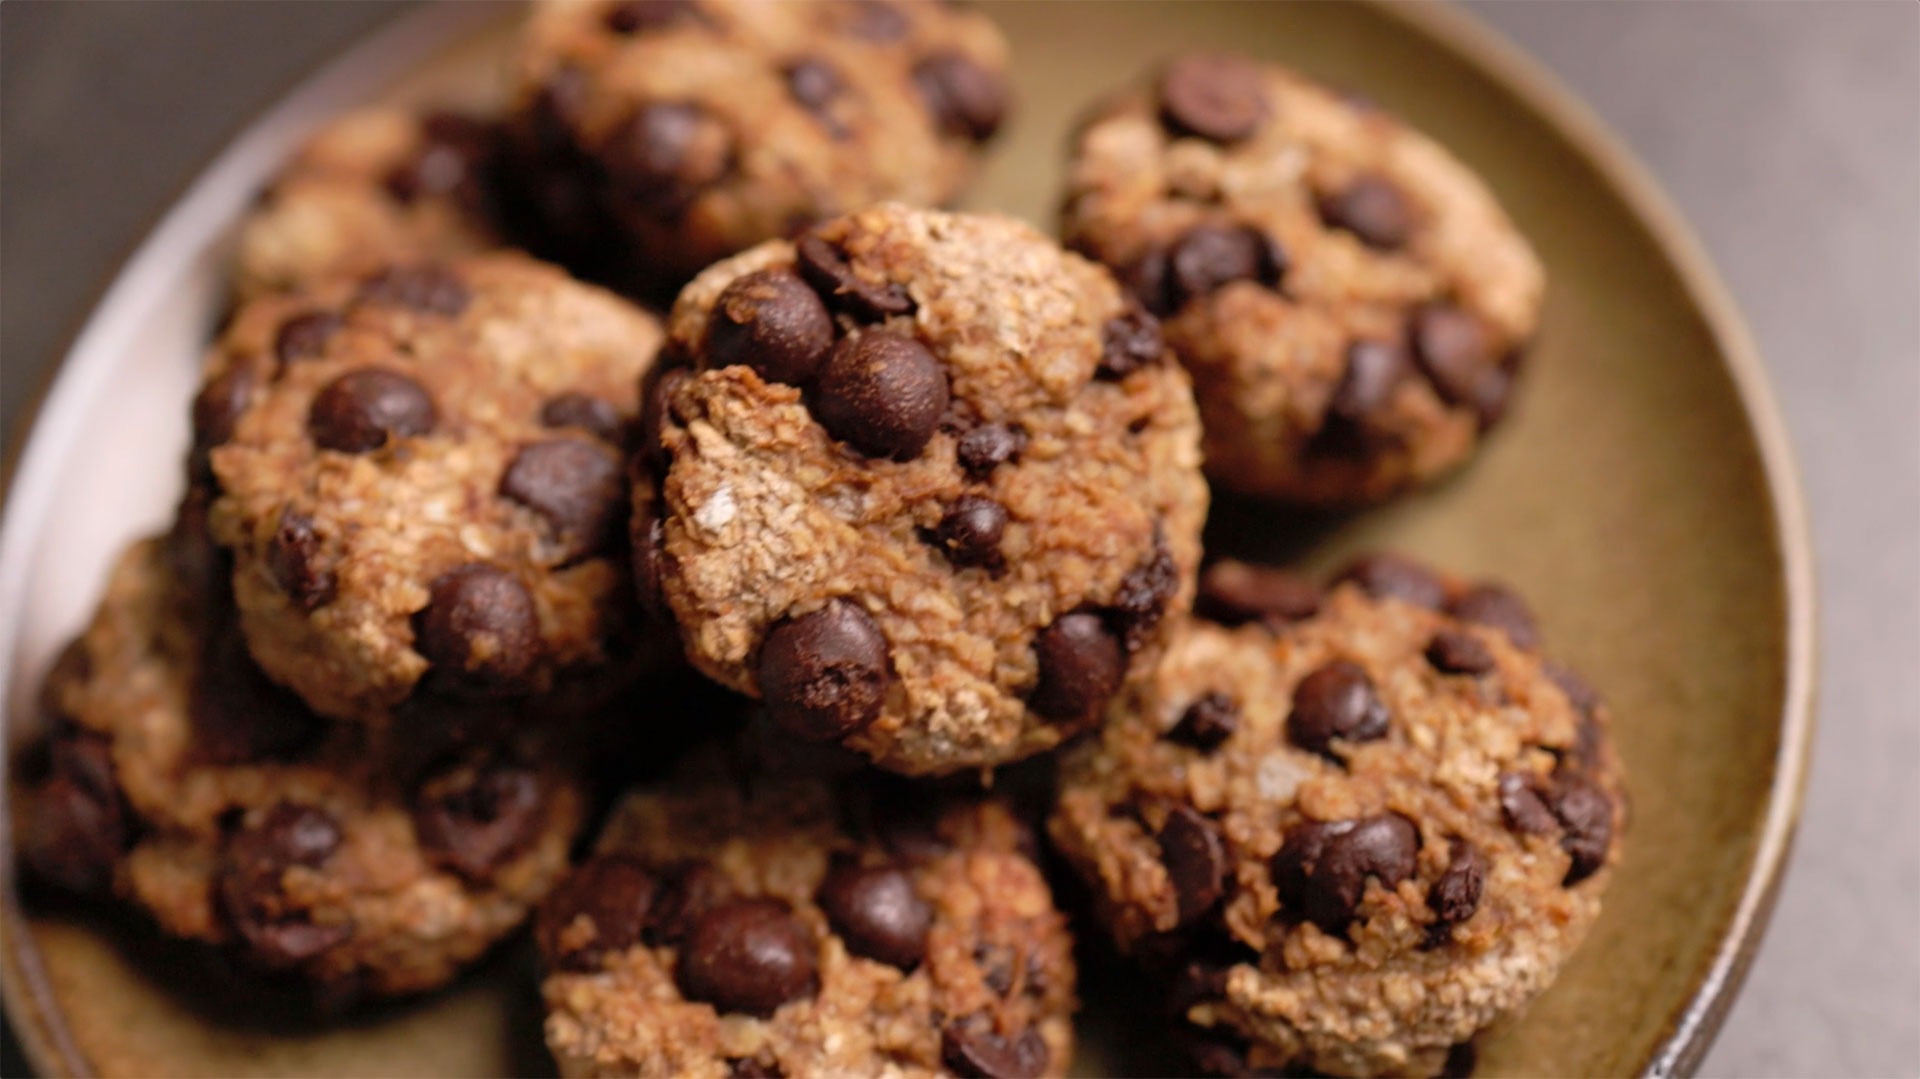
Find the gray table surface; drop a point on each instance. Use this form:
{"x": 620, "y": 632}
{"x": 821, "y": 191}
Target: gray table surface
{"x": 1788, "y": 133}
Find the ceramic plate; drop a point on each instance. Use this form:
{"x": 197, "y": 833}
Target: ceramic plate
{"x": 1642, "y": 496}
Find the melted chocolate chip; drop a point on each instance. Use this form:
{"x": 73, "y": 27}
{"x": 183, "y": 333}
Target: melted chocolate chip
{"x": 1081, "y": 665}
{"x": 878, "y": 912}
{"x": 362, "y": 410}
{"x": 845, "y": 291}
{"x": 249, "y": 883}
{"x": 882, "y": 393}
{"x": 294, "y": 562}
{"x": 1456, "y": 895}
{"x": 612, "y": 894}
{"x": 1322, "y": 868}
{"x": 825, "y": 674}
{"x": 771, "y": 321}
{"x": 1336, "y": 700}
{"x": 480, "y": 630}
{"x": 475, "y": 818}
{"x": 1207, "y": 722}
{"x": 747, "y": 955}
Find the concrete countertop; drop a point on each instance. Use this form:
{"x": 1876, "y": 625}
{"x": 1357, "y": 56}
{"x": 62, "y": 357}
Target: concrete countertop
{"x": 1788, "y": 133}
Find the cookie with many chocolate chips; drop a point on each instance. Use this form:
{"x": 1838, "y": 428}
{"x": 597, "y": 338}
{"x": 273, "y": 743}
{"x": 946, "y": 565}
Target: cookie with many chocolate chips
{"x": 1348, "y": 840}
{"x": 768, "y": 913}
{"x": 692, "y": 129}
{"x": 930, "y": 489}
{"x": 1350, "y": 299}
{"x": 185, "y": 784}
{"x": 377, "y": 185}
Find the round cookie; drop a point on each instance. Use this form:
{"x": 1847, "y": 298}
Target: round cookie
{"x": 421, "y": 476}
{"x": 1350, "y": 299}
{"x": 697, "y": 128}
{"x": 1348, "y": 839}
{"x": 376, "y": 186}
{"x": 179, "y": 779}
{"x": 931, "y": 489}
{"x": 760, "y": 921}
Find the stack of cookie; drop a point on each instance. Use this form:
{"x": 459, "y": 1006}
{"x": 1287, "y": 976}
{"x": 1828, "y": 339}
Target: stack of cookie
{"x": 892, "y": 497}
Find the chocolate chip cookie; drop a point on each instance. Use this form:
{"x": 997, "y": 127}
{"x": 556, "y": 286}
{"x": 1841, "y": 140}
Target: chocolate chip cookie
{"x": 930, "y": 488}
{"x": 376, "y": 186}
{"x": 1348, "y": 836}
{"x": 182, "y": 781}
{"x": 1350, "y": 299}
{"x": 421, "y": 478}
{"x": 756, "y": 920}
{"x": 693, "y": 129}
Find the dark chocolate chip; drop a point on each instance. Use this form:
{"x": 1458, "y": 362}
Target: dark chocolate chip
{"x": 1207, "y": 722}
{"x": 771, "y": 321}
{"x": 1389, "y": 576}
{"x": 363, "y": 409}
{"x": 640, "y": 16}
{"x": 239, "y": 715}
{"x": 970, "y": 531}
{"x": 476, "y": 817}
{"x": 814, "y": 84}
{"x": 825, "y": 674}
{"x": 454, "y": 156}
{"x": 1322, "y": 868}
{"x": 1521, "y": 804}
{"x": 1081, "y": 665}
{"x": 965, "y": 99}
{"x": 1144, "y": 593}
{"x": 591, "y": 414}
{"x": 650, "y": 558}
{"x": 1195, "y": 858}
{"x": 1456, "y": 895}
{"x": 882, "y": 393}
{"x": 989, "y": 446}
{"x": 1374, "y": 370}
{"x": 577, "y": 486}
{"x": 878, "y": 912}
{"x": 1587, "y": 813}
{"x": 1128, "y": 342}
{"x": 294, "y": 561}
{"x": 1455, "y": 651}
{"x": 1492, "y": 605}
{"x": 1149, "y": 280}
{"x": 1235, "y": 593}
{"x": 996, "y": 964}
{"x": 1460, "y": 1063}
{"x": 249, "y": 882}
{"x": 666, "y": 155}
{"x": 611, "y": 894}
{"x": 1336, "y": 700}
{"x": 876, "y": 20}
{"x": 970, "y": 1048}
{"x": 1373, "y": 209}
{"x": 1452, "y": 350}
{"x": 688, "y": 890}
{"x": 428, "y": 288}
{"x": 303, "y": 337}
{"x": 1208, "y": 257}
{"x": 1218, "y": 98}
{"x": 655, "y": 412}
{"x": 747, "y": 955}
{"x": 828, "y": 271}
{"x": 219, "y": 405}
{"x": 77, "y": 825}
{"x": 896, "y": 813}
{"x": 480, "y": 630}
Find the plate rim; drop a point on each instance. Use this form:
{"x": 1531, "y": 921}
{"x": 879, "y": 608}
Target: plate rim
{"x": 385, "y": 53}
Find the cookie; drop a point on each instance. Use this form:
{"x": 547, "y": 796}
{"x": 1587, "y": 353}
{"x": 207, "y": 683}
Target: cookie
{"x": 376, "y": 186}
{"x": 1352, "y": 302}
{"x": 421, "y": 479}
{"x": 1348, "y": 839}
{"x": 930, "y": 488}
{"x": 693, "y": 129}
{"x": 180, "y": 780}
{"x": 749, "y": 920}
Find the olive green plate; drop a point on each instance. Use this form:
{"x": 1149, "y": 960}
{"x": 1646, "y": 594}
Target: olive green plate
{"x": 1643, "y": 495}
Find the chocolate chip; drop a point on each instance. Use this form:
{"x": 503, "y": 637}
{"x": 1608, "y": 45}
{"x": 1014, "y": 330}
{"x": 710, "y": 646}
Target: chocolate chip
{"x": 238, "y": 714}
{"x": 770, "y": 321}
{"x": 613, "y": 894}
{"x": 1452, "y": 350}
{"x": 249, "y": 883}
{"x": 1195, "y": 858}
{"x": 591, "y": 414}
{"x": 650, "y": 560}
{"x": 1456, "y": 895}
{"x": 1128, "y": 342}
{"x": 1521, "y": 804}
{"x": 828, "y": 271}
{"x": 1144, "y": 593}
{"x": 1322, "y": 868}
{"x": 876, "y": 20}
{"x": 655, "y": 412}
{"x": 688, "y": 890}
{"x": 965, "y": 99}
{"x": 1389, "y": 576}
{"x": 361, "y": 410}
{"x": 1374, "y": 369}
{"x": 1235, "y": 593}
{"x": 747, "y": 955}
{"x": 882, "y": 393}
{"x": 294, "y": 562}
{"x": 996, "y": 963}
{"x": 896, "y": 813}
{"x": 1587, "y": 813}
{"x": 814, "y": 84}
{"x": 1218, "y": 98}
{"x": 1081, "y": 665}
{"x": 639, "y": 16}
{"x": 666, "y": 155}
{"x": 1336, "y": 700}
{"x": 1209, "y": 257}
{"x": 989, "y": 446}
{"x": 1454, "y": 651}
{"x": 878, "y": 912}
{"x": 579, "y": 488}
{"x": 429, "y": 288}
{"x": 1460, "y": 1062}
{"x": 480, "y": 630}
{"x": 303, "y": 337}
{"x": 474, "y": 818}
{"x": 969, "y": 533}
{"x": 77, "y": 825}
{"x": 1207, "y": 722}
{"x": 971, "y": 1048}
{"x": 219, "y": 405}
{"x": 1492, "y": 605}
{"x": 1373, "y": 209}
{"x": 454, "y": 154}
{"x": 825, "y": 674}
